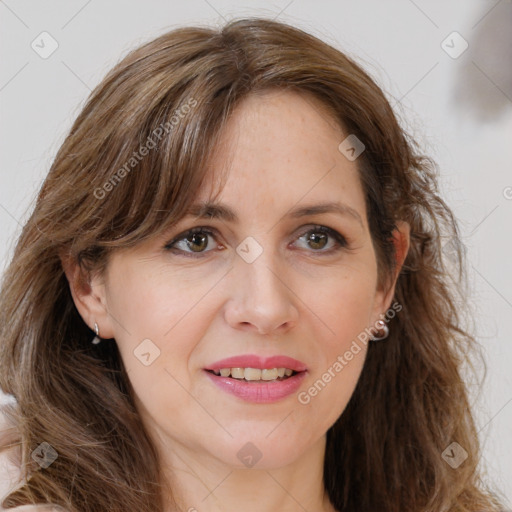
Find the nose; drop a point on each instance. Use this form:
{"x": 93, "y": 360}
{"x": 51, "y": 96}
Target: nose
{"x": 261, "y": 300}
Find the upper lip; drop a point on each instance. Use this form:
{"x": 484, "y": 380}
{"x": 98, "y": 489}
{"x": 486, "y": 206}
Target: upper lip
{"x": 255, "y": 361}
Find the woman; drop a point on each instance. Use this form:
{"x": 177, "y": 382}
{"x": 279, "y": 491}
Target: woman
{"x": 256, "y": 245}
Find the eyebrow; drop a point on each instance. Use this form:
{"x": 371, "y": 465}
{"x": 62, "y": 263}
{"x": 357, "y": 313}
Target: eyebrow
{"x": 210, "y": 210}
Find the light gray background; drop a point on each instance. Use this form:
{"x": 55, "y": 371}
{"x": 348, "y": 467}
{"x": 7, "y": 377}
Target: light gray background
{"x": 459, "y": 108}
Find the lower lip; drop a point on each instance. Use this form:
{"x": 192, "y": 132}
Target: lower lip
{"x": 262, "y": 392}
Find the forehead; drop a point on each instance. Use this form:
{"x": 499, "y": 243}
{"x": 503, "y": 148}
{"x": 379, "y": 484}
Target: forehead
{"x": 288, "y": 115}
{"x": 279, "y": 149}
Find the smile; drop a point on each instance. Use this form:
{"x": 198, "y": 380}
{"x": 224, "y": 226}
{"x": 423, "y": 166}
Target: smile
{"x": 255, "y": 374}
{"x": 258, "y": 379}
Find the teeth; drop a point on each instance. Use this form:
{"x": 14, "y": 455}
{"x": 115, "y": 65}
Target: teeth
{"x": 269, "y": 374}
{"x": 237, "y": 373}
{"x": 254, "y": 373}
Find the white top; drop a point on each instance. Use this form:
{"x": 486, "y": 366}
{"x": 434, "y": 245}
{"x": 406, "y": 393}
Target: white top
{"x": 10, "y": 473}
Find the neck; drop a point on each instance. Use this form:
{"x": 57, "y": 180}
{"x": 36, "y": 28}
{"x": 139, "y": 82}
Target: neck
{"x": 202, "y": 483}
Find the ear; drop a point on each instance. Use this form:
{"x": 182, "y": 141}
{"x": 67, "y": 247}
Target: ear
{"x": 401, "y": 241}
{"x": 89, "y": 296}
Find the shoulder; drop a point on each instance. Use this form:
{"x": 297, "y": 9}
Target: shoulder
{"x": 10, "y": 460}
{"x": 9, "y": 457}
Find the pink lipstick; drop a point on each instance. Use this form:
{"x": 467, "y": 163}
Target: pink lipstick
{"x": 258, "y": 379}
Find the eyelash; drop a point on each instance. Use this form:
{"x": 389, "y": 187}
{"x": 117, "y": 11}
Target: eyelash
{"x": 341, "y": 241}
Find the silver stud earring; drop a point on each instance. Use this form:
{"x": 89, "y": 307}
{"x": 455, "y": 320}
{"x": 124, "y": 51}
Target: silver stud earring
{"x": 96, "y": 339}
{"x": 384, "y": 327}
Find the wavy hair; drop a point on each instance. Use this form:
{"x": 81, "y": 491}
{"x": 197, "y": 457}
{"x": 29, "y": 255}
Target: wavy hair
{"x": 104, "y": 193}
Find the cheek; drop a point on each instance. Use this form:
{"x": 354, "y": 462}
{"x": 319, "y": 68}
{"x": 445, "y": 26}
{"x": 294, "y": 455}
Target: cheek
{"x": 331, "y": 390}
{"x": 344, "y": 304}
{"x": 337, "y": 370}
{"x": 158, "y": 319}
{"x": 344, "y": 307}
{"x": 151, "y": 301}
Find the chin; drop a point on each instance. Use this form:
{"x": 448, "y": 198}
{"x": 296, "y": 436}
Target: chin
{"x": 259, "y": 451}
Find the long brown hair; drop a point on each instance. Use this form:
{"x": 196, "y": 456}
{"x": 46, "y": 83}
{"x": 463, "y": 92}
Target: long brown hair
{"x": 103, "y": 192}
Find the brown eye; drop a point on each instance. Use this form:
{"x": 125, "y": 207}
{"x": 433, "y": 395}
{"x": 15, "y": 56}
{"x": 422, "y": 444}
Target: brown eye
{"x": 317, "y": 240}
{"x": 318, "y": 237}
{"x": 196, "y": 240}
{"x": 193, "y": 241}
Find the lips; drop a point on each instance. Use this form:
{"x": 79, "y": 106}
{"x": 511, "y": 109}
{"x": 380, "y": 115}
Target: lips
{"x": 255, "y": 361}
{"x": 258, "y": 391}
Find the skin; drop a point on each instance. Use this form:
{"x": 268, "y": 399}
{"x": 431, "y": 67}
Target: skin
{"x": 296, "y": 298}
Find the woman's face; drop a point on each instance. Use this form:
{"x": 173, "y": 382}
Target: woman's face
{"x": 272, "y": 279}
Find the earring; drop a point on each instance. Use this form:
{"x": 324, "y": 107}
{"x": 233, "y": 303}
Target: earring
{"x": 384, "y": 327}
{"x": 96, "y": 339}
